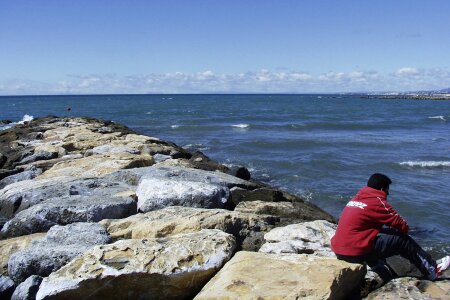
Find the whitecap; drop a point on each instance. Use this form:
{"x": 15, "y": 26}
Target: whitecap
{"x": 148, "y": 113}
{"x": 438, "y": 117}
{"x": 174, "y": 126}
{"x": 26, "y": 118}
{"x": 426, "y": 164}
{"x": 241, "y": 125}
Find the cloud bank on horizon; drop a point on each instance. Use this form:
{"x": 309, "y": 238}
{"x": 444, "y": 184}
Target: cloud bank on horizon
{"x": 263, "y": 81}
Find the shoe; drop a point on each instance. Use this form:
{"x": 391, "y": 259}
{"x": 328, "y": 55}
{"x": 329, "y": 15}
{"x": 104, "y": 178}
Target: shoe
{"x": 442, "y": 265}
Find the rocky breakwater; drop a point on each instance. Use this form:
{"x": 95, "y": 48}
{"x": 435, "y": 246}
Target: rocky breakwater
{"x": 90, "y": 209}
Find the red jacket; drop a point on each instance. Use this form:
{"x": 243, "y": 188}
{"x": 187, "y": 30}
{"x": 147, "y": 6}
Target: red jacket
{"x": 362, "y": 220}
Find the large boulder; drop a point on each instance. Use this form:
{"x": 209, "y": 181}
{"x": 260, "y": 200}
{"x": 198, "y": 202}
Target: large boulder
{"x": 412, "y": 288}
{"x": 156, "y": 193}
{"x": 66, "y": 210}
{"x": 60, "y": 245}
{"x": 24, "y": 194}
{"x": 167, "y": 268}
{"x": 289, "y": 212}
{"x": 10, "y": 246}
{"x": 248, "y": 229}
{"x": 28, "y": 289}
{"x": 309, "y": 237}
{"x": 254, "y": 275}
{"x": 98, "y": 165}
{"x": 195, "y": 175}
{"x": 160, "y": 187}
{"x": 28, "y": 174}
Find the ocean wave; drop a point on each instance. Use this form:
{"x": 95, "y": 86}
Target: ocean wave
{"x": 438, "y": 117}
{"x": 426, "y": 164}
{"x": 174, "y": 126}
{"x": 241, "y": 125}
{"x": 26, "y": 118}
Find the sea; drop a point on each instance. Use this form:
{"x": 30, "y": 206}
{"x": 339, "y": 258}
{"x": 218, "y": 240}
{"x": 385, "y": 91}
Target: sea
{"x": 320, "y": 147}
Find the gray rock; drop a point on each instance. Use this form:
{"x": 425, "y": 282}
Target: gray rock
{"x": 158, "y": 157}
{"x": 104, "y": 149}
{"x": 67, "y": 210}
{"x": 187, "y": 174}
{"x": 28, "y": 174}
{"x": 60, "y": 245}
{"x": 157, "y": 193}
{"x": 28, "y": 289}
{"x": 24, "y": 194}
{"x": 6, "y": 287}
{"x": 38, "y": 156}
{"x": 308, "y": 237}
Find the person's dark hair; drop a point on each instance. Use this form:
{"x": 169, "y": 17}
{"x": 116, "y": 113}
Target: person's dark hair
{"x": 379, "y": 181}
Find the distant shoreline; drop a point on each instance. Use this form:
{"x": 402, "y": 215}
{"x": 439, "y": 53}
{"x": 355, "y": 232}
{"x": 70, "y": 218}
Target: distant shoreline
{"x": 408, "y": 96}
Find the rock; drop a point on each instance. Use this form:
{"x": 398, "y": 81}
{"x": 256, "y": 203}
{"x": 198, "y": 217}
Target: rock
{"x": 161, "y": 157}
{"x": 155, "y": 193}
{"x": 5, "y": 122}
{"x": 28, "y": 289}
{"x": 169, "y": 268}
{"x": 5, "y": 173}
{"x": 262, "y": 194}
{"x": 3, "y": 221}
{"x": 3, "y": 160}
{"x": 309, "y": 237}
{"x": 107, "y": 149}
{"x": 240, "y": 172}
{"x": 412, "y": 288}
{"x": 60, "y": 245}
{"x": 98, "y": 165}
{"x": 176, "y": 219}
{"x": 195, "y": 175}
{"x": 289, "y": 212}
{"x": 10, "y": 246}
{"x": 165, "y": 186}
{"x": 201, "y": 161}
{"x": 254, "y": 275}
{"x": 66, "y": 210}
{"x": 38, "y": 156}
{"x": 6, "y": 287}
{"x": 29, "y": 174}
{"x": 22, "y": 195}
{"x": 47, "y": 164}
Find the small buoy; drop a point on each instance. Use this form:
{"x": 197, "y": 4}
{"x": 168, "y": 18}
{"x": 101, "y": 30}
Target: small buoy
{"x": 69, "y": 109}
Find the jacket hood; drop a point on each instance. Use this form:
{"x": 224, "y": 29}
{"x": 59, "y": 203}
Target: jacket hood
{"x": 368, "y": 192}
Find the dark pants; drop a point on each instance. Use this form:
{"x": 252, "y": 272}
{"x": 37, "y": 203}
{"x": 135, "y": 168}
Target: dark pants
{"x": 389, "y": 243}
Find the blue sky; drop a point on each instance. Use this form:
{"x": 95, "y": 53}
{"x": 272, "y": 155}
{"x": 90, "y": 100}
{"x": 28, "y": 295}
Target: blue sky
{"x": 54, "y": 47}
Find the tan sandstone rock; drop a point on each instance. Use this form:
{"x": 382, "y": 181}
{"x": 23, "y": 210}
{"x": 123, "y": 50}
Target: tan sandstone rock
{"x": 412, "y": 288}
{"x": 247, "y": 228}
{"x": 98, "y": 165}
{"x": 169, "y": 268}
{"x": 253, "y": 275}
{"x": 10, "y": 246}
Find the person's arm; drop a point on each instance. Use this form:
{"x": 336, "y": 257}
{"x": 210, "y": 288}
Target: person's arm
{"x": 387, "y": 215}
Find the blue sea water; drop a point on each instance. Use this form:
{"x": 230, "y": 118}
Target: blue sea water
{"x": 322, "y": 147}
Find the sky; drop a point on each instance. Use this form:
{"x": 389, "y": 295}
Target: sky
{"x": 228, "y": 46}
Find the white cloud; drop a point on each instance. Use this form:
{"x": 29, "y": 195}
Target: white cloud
{"x": 263, "y": 81}
{"x": 407, "y": 71}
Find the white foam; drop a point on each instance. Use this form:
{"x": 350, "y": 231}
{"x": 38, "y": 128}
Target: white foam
{"x": 426, "y": 164}
{"x": 148, "y": 113}
{"x": 438, "y": 117}
{"x": 241, "y": 125}
{"x": 174, "y": 126}
{"x": 26, "y": 118}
